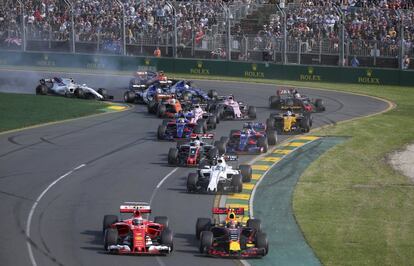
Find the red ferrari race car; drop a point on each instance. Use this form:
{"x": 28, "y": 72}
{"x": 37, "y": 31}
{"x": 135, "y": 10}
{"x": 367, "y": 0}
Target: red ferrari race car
{"x": 231, "y": 239}
{"x": 289, "y": 98}
{"x": 137, "y": 235}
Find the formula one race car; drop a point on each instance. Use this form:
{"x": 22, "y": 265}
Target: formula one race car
{"x": 186, "y": 92}
{"x": 195, "y": 153}
{"x": 253, "y": 138}
{"x": 220, "y": 177}
{"x": 137, "y": 235}
{"x": 291, "y": 99}
{"x": 228, "y": 108}
{"x": 180, "y": 128}
{"x": 165, "y": 105}
{"x": 290, "y": 122}
{"x": 145, "y": 94}
{"x": 67, "y": 87}
{"x": 231, "y": 239}
{"x": 143, "y": 79}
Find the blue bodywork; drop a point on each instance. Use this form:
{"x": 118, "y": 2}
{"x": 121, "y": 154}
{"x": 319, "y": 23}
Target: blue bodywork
{"x": 179, "y": 129}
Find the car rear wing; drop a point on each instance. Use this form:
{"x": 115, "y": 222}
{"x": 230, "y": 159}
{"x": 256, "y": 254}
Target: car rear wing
{"x": 202, "y": 136}
{"x": 284, "y": 91}
{"x": 221, "y": 210}
{"x": 131, "y": 207}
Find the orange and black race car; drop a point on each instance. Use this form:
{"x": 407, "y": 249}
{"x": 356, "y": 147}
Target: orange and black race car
{"x": 289, "y": 98}
{"x": 165, "y": 105}
{"x": 231, "y": 238}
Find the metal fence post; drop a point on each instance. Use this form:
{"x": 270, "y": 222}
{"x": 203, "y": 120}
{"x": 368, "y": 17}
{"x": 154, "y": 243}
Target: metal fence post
{"x": 341, "y": 37}
{"x": 401, "y": 50}
{"x": 23, "y": 32}
{"x": 227, "y": 11}
{"x": 123, "y": 26}
{"x": 175, "y": 33}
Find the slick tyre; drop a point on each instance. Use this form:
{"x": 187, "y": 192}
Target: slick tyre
{"x": 270, "y": 123}
{"x": 202, "y": 224}
{"x": 256, "y": 224}
{"x": 161, "y": 220}
{"x": 274, "y": 102}
{"x": 161, "y": 110}
{"x": 172, "y": 156}
{"x": 252, "y": 112}
{"x": 271, "y": 137}
{"x": 262, "y": 143}
{"x": 262, "y": 242}
{"x": 237, "y": 183}
{"x": 167, "y": 238}
{"x": 246, "y": 173}
{"x": 161, "y": 132}
{"x": 206, "y": 241}
{"x": 129, "y": 97}
{"x": 108, "y": 220}
{"x": 110, "y": 238}
{"x": 192, "y": 179}
{"x": 79, "y": 93}
{"x": 41, "y": 90}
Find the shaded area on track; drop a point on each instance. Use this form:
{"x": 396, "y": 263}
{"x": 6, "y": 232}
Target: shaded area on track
{"x": 273, "y": 205}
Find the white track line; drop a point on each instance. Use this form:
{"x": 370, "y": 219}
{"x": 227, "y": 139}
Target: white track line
{"x": 33, "y": 209}
{"x": 160, "y": 184}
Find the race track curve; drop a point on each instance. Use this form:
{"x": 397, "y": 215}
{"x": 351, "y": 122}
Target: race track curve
{"x": 118, "y": 159}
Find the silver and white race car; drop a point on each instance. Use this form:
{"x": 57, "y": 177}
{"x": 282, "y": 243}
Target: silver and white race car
{"x": 68, "y": 88}
{"x": 219, "y": 177}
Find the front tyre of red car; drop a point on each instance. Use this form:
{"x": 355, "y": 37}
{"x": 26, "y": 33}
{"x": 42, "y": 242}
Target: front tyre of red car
{"x": 167, "y": 238}
{"x": 206, "y": 241}
{"x": 172, "y": 156}
{"x": 161, "y": 220}
{"x": 108, "y": 220}
{"x": 110, "y": 238}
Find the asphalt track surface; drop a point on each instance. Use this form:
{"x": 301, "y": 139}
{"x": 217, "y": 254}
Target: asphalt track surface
{"x": 120, "y": 160}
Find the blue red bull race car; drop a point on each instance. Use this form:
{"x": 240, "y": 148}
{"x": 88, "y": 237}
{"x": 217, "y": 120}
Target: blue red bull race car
{"x": 255, "y": 137}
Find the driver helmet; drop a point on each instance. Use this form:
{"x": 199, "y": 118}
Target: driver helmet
{"x": 232, "y": 223}
{"x": 137, "y": 221}
{"x": 197, "y": 142}
{"x": 221, "y": 162}
{"x": 159, "y": 90}
{"x": 231, "y": 98}
{"x": 196, "y": 106}
{"x": 289, "y": 113}
{"x": 173, "y": 101}
{"x": 297, "y": 95}
{"x": 186, "y": 86}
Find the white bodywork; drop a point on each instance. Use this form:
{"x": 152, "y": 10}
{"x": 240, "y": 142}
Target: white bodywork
{"x": 67, "y": 87}
{"x": 218, "y": 173}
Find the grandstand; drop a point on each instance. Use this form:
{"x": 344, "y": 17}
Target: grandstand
{"x": 379, "y": 33}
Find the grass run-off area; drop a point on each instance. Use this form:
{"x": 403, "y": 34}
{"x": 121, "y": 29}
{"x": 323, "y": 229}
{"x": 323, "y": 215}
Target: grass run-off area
{"x": 23, "y": 110}
{"x": 352, "y": 207}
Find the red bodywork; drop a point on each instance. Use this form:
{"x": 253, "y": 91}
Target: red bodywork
{"x": 140, "y": 233}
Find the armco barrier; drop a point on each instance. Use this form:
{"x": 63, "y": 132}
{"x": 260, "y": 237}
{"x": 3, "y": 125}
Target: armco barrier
{"x": 211, "y": 67}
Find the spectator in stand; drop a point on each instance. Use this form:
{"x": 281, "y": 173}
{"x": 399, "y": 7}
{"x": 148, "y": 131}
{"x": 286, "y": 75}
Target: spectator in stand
{"x": 406, "y": 62}
{"x": 354, "y": 62}
{"x": 157, "y": 52}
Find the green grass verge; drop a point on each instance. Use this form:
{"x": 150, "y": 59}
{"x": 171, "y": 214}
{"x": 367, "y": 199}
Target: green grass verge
{"x": 23, "y": 110}
{"x": 352, "y": 207}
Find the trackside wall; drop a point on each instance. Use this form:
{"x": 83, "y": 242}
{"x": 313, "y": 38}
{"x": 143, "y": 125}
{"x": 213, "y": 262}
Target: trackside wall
{"x": 211, "y": 67}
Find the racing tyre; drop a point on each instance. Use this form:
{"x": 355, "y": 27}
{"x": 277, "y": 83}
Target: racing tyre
{"x": 271, "y": 137}
{"x": 192, "y": 179}
{"x": 161, "y": 110}
{"x": 41, "y": 89}
{"x": 110, "y": 238}
{"x": 274, "y": 102}
{"x": 270, "y": 123}
{"x": 129, "y": 97}
{"x": 202, "y": 224}
{"x": 172, "y": 156}
{"x": 225, "y": 140}
{"x": 79, "y": 93}
{"x": 221, "y": 147}
{"x": 203, "y": 122}
{"x": 161, "y": 220}
{"x": 108, "y": 220}
{"x": 206, "y": 241}
{"x": 319, "y": 105}
{"x": 252, "y": 112}
{"x": 255, "y": 224}
{"x": 212, "y": 122}
{"x": 161, "y": 132}
{"x": 213, "y": 94}
{"x": 152, "y": 107}
{"x": 237, "y": 183}
{"x": 199, "y": 129}
{"x": 167, "y": 238}
{"x": 262, "y": 242}
{"x": 305, "y": 124}
{"x": 262, "y": 142}
{"x": 246, "y": 172}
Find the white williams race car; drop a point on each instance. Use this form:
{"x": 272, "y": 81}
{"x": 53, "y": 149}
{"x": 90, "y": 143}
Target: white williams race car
{"x": 220, "y": 177}
{"x": 67, "y": 87}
